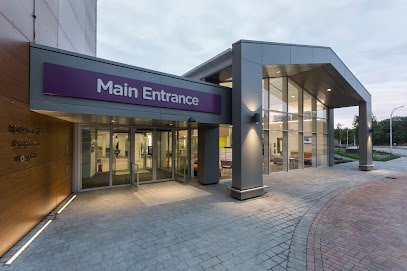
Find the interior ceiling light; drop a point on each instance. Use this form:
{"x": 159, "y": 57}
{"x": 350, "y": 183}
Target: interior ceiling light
{"x": 278, "y": 71}
{"x": 328, "y": 89}
{"x": 292, "y": 96}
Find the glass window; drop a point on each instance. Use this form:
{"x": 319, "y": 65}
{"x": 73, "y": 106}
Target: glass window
{"x": 265, "y": 94}
{"x": 293, "y": 97}
{"x": 277, "y": 120}
{"x": 121, "y": 157}
{"x": 308, "y": 125}
{"x": 308, "y": 101}
{"x": 293, "y": 150}
{"x": 276, "y": 144}
{"x": 225, "y": 151}
{"x": 182, "y": 153}
{"x": 322, "y": 148}
{"x": 321, "y": 110}
{"x": 310, "y": 150}
{"x": 322, "y": 126}
{"x": 266, "y": 152}
{"x": 276, "y": 89}
{"x": 265, "y": 119}
{"x": 293, "y": 121}
{"x": 95, "y": 157}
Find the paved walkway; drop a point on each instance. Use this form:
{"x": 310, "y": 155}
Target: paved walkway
{"x": 171, "y": 226}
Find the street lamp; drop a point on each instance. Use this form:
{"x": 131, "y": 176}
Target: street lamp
{"x": 391, "y": 128}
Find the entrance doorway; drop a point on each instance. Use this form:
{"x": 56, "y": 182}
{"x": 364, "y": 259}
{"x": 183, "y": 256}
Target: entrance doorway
{"x": 112, "y": 156}
{"x": 153, "y": 160}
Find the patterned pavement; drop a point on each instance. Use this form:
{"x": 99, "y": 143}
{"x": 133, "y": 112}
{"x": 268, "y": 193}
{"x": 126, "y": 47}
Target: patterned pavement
{"x": 172, "y": 226}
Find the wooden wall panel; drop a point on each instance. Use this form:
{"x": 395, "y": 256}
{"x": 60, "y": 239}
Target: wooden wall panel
{"x": 45, "y": 143}
{"x": 30, "y": 190}
{"x": 25, "y": 197}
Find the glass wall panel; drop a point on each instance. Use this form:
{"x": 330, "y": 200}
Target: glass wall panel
{"x": 265, "y": 94}
{"x": 321, "y": 110}
{"x": 292, "y": 97}
{"x": 308, "y": 100}
{"x": 225, "y": 151}
{"x": 265, "y": 119}
{"x": 293, "y": 150}
{"x": 322, "y": 148}
{"x": 277, "y": 101}
{"x": 143, "y": 153}
{"x": 277, "y": 120}
{"x": 121, "y": 156}
{"x": 182, "y": 153}
{"x": 293, "y": 122}
{"x": 266, "y": 152}
{"x": 195, "y": 151}
{"x": 95, "y": 157}
{"x": 164, "y": 155}
{"x": 276, "y": 143}
{"x": 309, "y": 150}
{"x": 308, "y": 125}
{"x": 322, "y": 126}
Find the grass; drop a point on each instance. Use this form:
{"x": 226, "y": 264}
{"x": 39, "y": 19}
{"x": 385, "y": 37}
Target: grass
{"x": 377, "y": 155}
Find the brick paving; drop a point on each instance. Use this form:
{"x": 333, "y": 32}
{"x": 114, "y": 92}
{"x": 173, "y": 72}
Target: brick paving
{"x": 363, "y": 228}
{"x": 171, "y": 226}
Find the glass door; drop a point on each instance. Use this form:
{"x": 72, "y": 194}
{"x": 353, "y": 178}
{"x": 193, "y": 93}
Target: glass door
{"x": 143, "y": 156}
{"x": 164, "y": 155}
{"x": 121, "y": 156}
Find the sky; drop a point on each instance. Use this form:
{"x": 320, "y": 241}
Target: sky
{"x": 174, "y": 36}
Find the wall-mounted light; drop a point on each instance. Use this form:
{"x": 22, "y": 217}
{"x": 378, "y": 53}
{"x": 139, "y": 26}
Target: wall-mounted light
{"x": 371, "y": 130}
{"x": 255, "y": 118}
{"x": 191, "y": 119}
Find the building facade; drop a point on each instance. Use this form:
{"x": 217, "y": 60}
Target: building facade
{"x": 36, "y": 157}
{"x": 74, "y": 122}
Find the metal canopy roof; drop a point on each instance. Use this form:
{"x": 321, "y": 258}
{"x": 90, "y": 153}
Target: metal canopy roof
{"x": 314, "y": 68}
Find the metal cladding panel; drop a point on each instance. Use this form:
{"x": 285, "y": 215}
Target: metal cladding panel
{"x": 276, "y": 54}
{"x": 302, "y": 55}
{"x": 46, "y": 23}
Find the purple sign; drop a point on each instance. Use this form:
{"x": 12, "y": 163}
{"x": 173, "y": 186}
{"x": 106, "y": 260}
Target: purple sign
{"x": 71, "y": 82}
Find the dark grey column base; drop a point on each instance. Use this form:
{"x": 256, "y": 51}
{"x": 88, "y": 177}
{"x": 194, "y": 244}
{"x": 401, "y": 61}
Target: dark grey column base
{"x": 247, "y": 193}
{"x": 365, "y": 167}
{"x": 205, "y": 182}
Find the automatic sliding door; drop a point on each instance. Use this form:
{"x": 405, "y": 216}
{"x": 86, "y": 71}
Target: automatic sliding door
{"x": 143, "y": 155}
{"x": 164, "y": 155}
{"x": 121, "y": 157}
